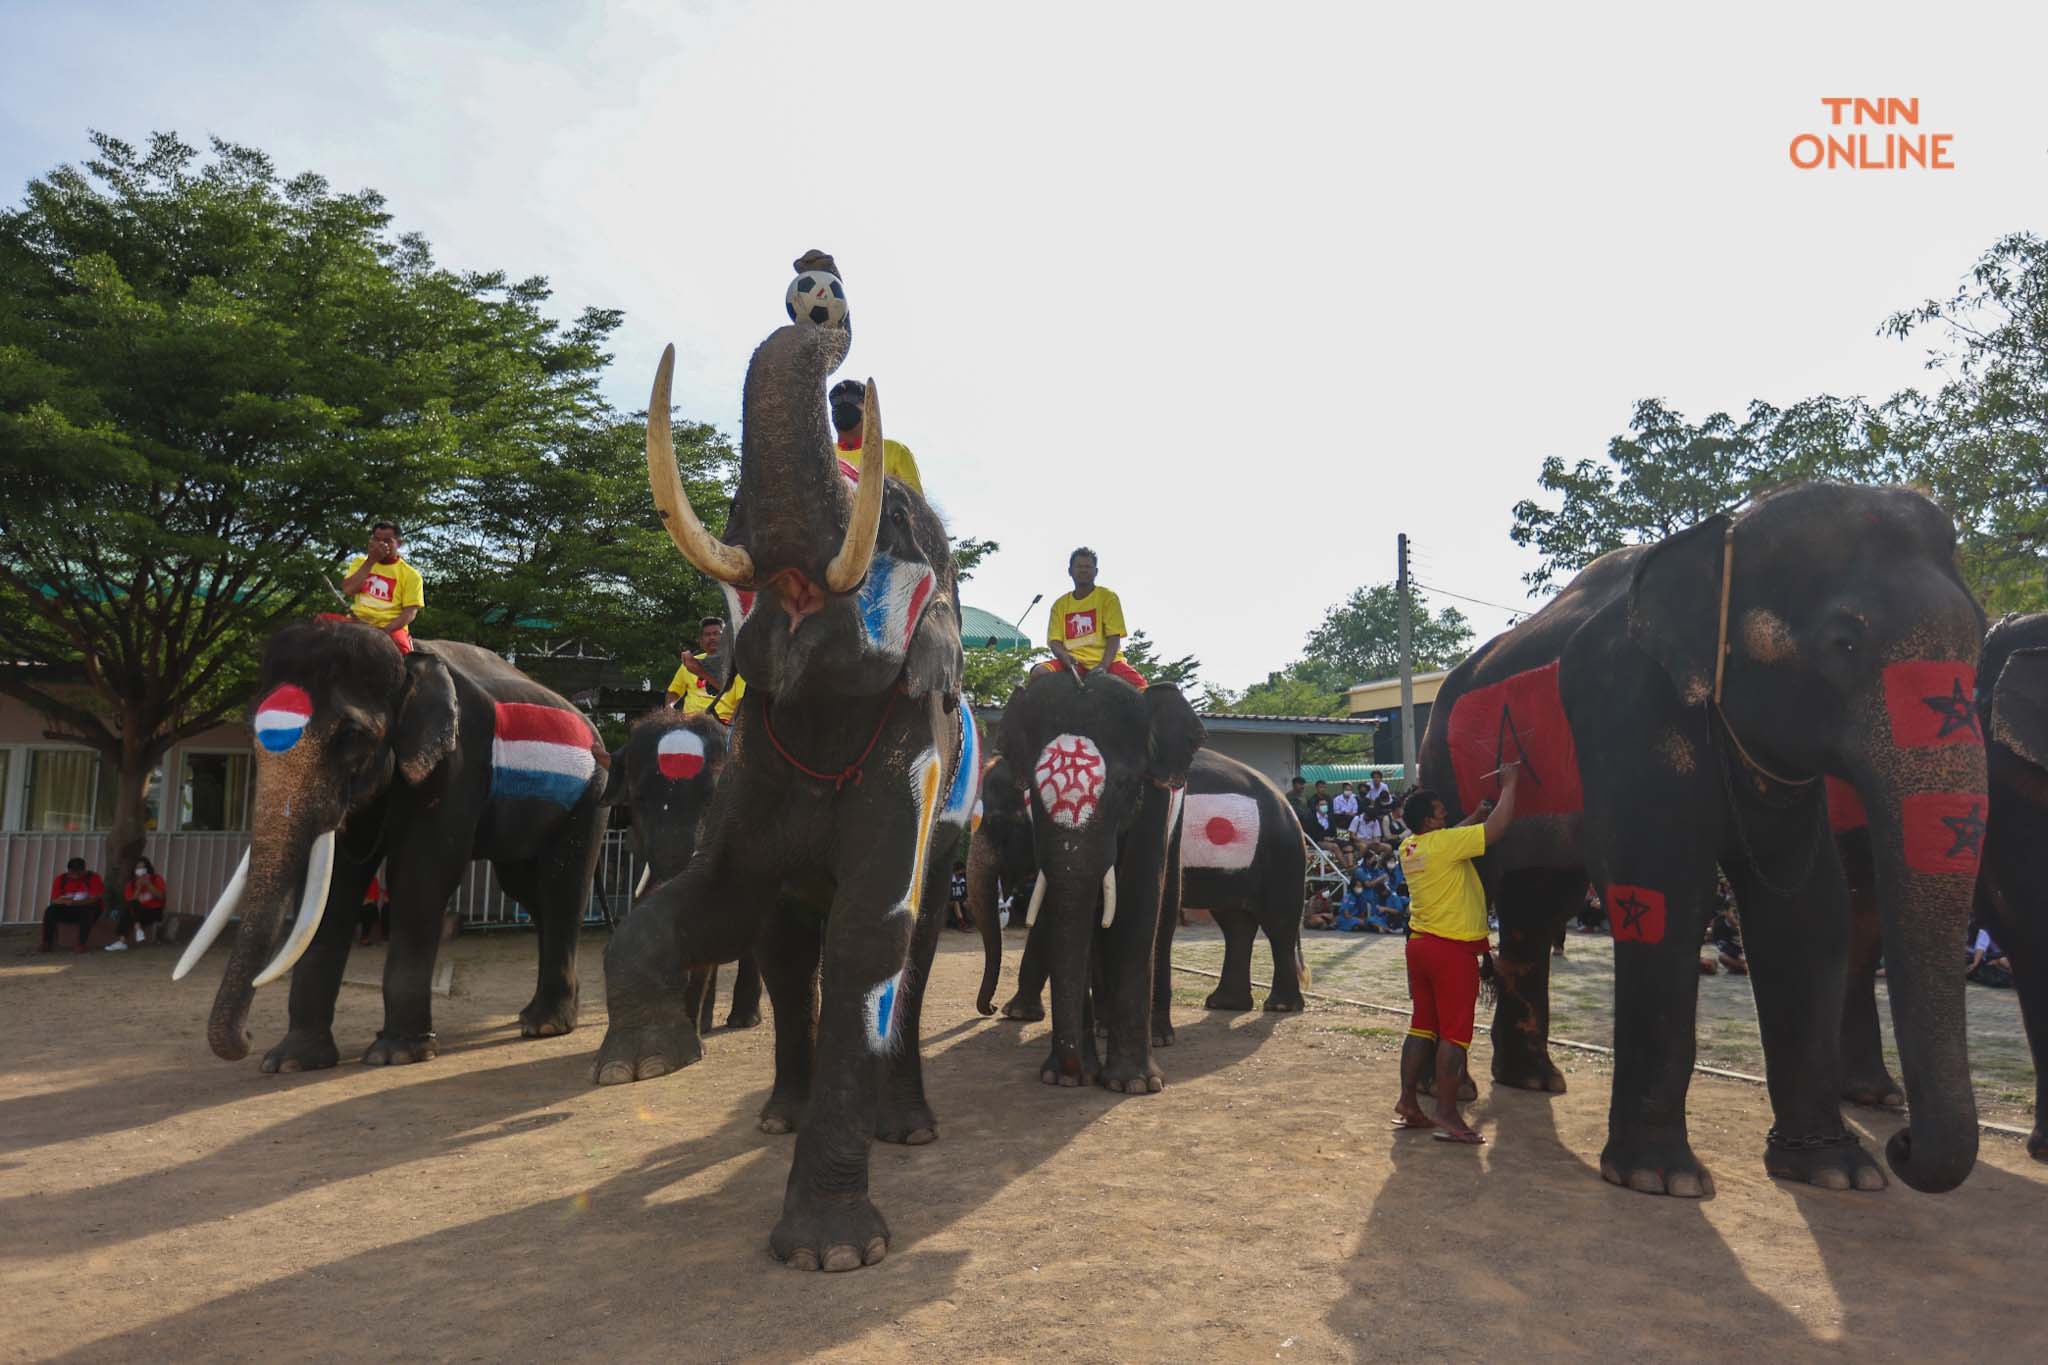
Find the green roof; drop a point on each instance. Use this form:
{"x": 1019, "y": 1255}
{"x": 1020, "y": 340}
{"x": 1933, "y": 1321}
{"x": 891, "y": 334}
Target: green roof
{"x": 985, "y": 630}
{"x": 1313, "y": 773}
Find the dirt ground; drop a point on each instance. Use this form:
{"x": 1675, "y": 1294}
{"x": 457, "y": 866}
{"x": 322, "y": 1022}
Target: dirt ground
{"x": 156, "y": 1203}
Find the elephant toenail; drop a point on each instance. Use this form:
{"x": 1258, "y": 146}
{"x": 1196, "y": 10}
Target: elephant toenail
{"x": 841, "y": 1258}
{"x": 877, "y": 1248}
{"x": 803, "y": 1258}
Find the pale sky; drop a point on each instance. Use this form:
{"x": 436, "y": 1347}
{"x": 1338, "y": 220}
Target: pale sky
{"x": 1232, "y": 293}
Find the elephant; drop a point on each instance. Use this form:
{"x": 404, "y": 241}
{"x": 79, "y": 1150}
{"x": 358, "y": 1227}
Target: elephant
{"x": 852, "y": 776}
{"x": 423, "y": 762}
{"x": 1675, "y": 708}
{"x": 2011, "y": 715}
{"x": 1109, "y": 769}
{"x": 1240, "y": 857}
{"x": 664, "y": 775}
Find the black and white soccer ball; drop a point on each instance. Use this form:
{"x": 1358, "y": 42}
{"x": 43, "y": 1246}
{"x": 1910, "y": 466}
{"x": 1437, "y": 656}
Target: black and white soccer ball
{"x": 816, "y": 298}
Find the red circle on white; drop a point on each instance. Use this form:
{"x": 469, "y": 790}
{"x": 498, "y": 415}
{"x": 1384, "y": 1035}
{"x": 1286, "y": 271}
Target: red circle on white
{"x": 680, "y": 755}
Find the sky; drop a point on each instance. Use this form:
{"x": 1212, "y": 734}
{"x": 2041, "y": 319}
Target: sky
{"x": 1232, "y": 293}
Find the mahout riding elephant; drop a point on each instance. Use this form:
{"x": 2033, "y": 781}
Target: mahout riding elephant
{"x": 1108, "y": 769}
{"x": 851, "y": 776}
{"x": 422, "y": 762}
{"x": 664, "y": 775}
{"x": 1675, "y": 708}
{"x": 1240, "y": 857}
{"x": 2011, "y": 714}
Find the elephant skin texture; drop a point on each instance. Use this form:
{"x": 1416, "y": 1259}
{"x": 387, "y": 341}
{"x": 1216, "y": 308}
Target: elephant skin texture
{"x": 422, "y": 763}
{"x": 850, "y": 779}
{"x": 1648, "y": 761}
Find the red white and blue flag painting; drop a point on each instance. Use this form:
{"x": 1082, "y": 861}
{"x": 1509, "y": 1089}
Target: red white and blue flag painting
{"x": 891, "y": 601}
{"x": 541, "y": 753}
{"x": 282, "y": 717}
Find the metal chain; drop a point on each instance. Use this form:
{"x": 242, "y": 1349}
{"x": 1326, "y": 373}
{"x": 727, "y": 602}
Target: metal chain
{"x": 1815, "y": 1143}
{"x": 1742, "y": 832}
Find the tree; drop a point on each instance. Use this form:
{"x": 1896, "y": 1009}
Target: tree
{"x": 969, "y": 552}
{"x": 1293, "y": 691}
{"x": 211, "y": 380}
{"x": 1140, "y": 653}
{"x": 1360, "y": 638}
{"x": 992, "y": 674}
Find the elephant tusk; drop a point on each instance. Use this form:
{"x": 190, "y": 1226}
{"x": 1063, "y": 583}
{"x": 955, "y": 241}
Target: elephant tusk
{"x": 216, "y": 920}
{"x": 726, "y": 563}
{"x": 312, "y": 905}
{"x": 1108, "y": 897}
{"x": 857, "y": 550}
{"x": 646, "y": 876}
{"x": 1037, "y": 899}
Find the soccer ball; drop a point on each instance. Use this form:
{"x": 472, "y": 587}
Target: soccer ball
{"x": 817, "y": 298}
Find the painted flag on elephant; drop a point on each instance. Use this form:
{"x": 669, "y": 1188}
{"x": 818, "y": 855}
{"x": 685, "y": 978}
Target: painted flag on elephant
{"x": 891, "y": 601}
{"x": 964, "y": 795}
{"x": 680, "y": 755}
{"x": 1219, "y": 829}
{"x": 1519, "y": 719}
{"x": 542, "y": 753}
{"x": 282, "y": 717}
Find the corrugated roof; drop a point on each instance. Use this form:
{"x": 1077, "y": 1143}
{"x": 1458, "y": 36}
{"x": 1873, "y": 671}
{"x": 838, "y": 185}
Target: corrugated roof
{"x": 985, "y": 630}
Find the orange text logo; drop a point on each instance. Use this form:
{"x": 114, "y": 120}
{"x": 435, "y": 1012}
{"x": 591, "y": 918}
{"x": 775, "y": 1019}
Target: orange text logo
{"x": 1853, "y": 145}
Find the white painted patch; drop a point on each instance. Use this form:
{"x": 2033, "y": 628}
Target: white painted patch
{"x": 1221, "y": 830}
{"x": 1070, "y": 776}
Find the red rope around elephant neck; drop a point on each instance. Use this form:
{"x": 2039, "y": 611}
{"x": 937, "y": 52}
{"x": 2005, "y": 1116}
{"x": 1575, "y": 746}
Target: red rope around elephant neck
{"x": 851, "y": 773}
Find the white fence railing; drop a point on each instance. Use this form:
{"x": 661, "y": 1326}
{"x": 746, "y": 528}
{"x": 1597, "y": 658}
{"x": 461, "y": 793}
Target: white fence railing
{"x": 196, "y": 868}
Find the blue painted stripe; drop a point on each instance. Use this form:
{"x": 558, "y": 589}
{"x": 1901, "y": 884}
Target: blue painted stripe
{"x": 874, "y": 598}
{"x": 960, "y": 796}
{"x": 523, "y": 783}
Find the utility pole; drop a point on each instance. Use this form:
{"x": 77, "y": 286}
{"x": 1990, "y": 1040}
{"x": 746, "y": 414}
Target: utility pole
{"x": 1407, "y": 665}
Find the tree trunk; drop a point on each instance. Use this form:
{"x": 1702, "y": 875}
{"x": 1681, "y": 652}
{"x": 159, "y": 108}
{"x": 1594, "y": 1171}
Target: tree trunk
{"x": 129, "y": 827}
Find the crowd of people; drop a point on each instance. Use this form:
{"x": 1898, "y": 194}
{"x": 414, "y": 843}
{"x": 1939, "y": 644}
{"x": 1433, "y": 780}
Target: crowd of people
{"x": 78, "y": 897}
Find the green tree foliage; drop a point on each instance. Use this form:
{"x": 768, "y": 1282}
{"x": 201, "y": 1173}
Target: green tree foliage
{"x": 1360, "y": 638}
{"x": 1140, "y": 653}
{"x": 211, "y": 380}
{"x": 992, "y": 674}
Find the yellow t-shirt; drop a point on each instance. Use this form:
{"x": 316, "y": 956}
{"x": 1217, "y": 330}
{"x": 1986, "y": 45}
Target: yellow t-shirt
{"x": 1445, "y": 897}
{"x": 897, "y": 463}
{"x": 1080, "y": 623}
{"x": 698, "y": 695}
{"x": 389, "y": 589}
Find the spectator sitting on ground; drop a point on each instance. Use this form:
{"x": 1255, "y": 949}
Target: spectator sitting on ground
{"x": 956, "y": 899}
{"x": 1316, "y": 914}
{"x": 1988, "y": 963}
{"x": 76, "y": 896}
{"x": 141, "y": 907}
{"x": 1593, "y": 914}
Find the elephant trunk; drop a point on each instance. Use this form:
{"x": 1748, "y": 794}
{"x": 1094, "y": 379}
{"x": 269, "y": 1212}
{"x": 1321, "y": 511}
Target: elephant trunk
{"x": 283, "y": 867}
{"x": 1926, "y": 837}
{"x": 981, "y": 903}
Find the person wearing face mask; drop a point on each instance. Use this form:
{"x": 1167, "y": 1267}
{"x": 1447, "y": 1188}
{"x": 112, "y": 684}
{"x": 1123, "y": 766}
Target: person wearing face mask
{"x": 141, "y": 908}
{"x": 382, "y": 589}
{"x": 849, "y": 399}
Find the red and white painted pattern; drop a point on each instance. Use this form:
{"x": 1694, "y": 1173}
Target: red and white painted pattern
{"x": 1221, "y": 829}
{"x": 1070, "y": 775}
{"x": 680, "y": 755}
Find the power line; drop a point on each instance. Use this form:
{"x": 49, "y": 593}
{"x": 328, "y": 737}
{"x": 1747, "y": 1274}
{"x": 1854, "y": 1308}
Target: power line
{"x": 1524, "y": 610}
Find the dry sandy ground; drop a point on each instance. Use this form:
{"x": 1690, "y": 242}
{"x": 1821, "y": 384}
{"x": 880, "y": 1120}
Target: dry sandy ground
{"x": 158, "y": 1204}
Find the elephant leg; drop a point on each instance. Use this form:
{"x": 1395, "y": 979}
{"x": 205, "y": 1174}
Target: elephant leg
{"x": 308, "y": 1044}
{"x": 1281, "y": 920}
{"x": 1162, "y": 960}
{"x": 420, "y": 885}
{"x": 702, "y": 915}
{"x": 1234, "y": 991}
{"x": 1128, "y": 945}
{"x": 555, "y": 887}
{"x": 2027, "y": 978}
{"x": 1032, "y": 970}
{"x": 788, "y": 952}
{"x": 1073, "y": 1059}
{"x": 1796, "y": 940}
{"x": 902, "y": 1114}
{"x": 746, "y": 994}
{"x": 1866, "y": 1078}
{"x": 1533, "y": 907}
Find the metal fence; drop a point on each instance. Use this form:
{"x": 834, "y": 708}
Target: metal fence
{"x": 196, "y": 867}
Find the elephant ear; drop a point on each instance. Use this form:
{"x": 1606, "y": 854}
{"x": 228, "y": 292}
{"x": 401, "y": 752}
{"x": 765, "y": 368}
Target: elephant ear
{"x": 1173, "y": 734}
{"x": 2019, "y": 706}
{"x": 1013, "y": 737}
{"x": 935, "y": 661}
{"x": 426, "y": 717}
{"x": 1674, "y": 606}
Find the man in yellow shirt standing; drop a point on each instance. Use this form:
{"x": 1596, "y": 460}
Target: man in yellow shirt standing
{"x": 1086, "y": 629}
{"x": 383, "y": 590}
{"x": 694, "y": 687}
{"x": 1447, "y": 935}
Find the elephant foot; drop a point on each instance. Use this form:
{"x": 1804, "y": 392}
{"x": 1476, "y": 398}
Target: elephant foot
{"x": 1874, "y": 1089}
{"x": 302, "y": 1051}
{"x": 543, "y": 1018}
{"x": 738, "y": 1020}
{"x": 653, "y": 1046}
{"x": 1468, "y": 1091}
{"x": 1527, "y": 1071}
{"x": 829, "y": 1234}
{"x": 909, "y": 1123}
{"x": 782, "y": 1114}
{"x": 1656, "y": 1167}
{"x": 1065, "y": 1066}
{"x": 1834, "y": 1163}
{"x": 1128, "y": 1077}
{"x": 1020, "y": 1008}
{"x": 1291, "y": 1003}
{"x": 2037, "y": 1144}
{"x": 1162, "y": 1030}
{"x": 1236, "y": 1001}
{"x": 401, "y": 1049}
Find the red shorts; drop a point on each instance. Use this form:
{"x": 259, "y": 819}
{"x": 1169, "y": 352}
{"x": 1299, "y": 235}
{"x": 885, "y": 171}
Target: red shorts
{"x": 1117, "y": 668}
{"x": 400, "y": 637}
{"x": 1443, "y": 981}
